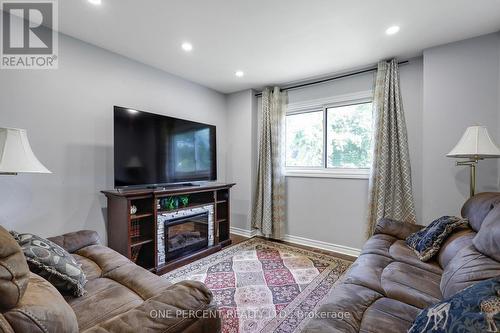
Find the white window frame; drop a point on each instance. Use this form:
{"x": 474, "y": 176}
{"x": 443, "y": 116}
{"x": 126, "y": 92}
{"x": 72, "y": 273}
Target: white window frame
{"x": 322, "y": 105}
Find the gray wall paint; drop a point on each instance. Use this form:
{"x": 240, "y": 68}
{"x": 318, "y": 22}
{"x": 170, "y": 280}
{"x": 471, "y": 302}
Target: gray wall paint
{"x": 68, "y": 115}
{"x": 460, "y": 89}
{"x": 241, "y": 154}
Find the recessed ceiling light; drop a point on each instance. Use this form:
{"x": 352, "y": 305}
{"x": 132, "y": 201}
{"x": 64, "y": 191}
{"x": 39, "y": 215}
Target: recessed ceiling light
{"x": 95, "y": 2}
{"x": 239, "y": 73}
{"x": 187, "y": 46}
{"x": 392, "y": 30}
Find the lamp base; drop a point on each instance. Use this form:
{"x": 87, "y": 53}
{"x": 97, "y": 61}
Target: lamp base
{"x": 472, "y": 164}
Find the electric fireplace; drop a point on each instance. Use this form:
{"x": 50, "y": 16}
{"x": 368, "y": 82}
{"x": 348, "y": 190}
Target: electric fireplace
{"x": 185, "y": 234}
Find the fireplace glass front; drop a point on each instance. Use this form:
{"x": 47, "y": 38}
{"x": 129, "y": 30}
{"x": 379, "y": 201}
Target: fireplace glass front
{"x": 185, "y": 234}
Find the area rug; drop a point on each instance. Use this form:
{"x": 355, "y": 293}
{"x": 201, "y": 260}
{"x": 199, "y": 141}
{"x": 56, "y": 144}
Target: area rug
{"x": 265, "y": 286}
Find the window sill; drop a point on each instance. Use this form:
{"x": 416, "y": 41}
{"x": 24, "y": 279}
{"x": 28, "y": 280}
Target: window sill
{"x": 338, "y": 173}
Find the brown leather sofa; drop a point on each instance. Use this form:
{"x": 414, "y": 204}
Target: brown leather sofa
{"x": 121, "y": 296}
{"x": 387, "y": 286}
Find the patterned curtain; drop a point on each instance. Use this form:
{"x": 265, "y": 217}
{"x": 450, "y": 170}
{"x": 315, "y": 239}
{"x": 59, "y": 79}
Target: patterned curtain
{"x": 269, "y": 205}
{"x": 390, "y": 193}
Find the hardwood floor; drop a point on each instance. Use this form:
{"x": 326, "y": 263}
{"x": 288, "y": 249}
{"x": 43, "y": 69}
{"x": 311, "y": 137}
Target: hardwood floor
{"x": 238, "y": 239}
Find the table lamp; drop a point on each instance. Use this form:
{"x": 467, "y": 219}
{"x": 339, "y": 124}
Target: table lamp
{"x": 475, "y": 145}
{"x": 16, "y": 155}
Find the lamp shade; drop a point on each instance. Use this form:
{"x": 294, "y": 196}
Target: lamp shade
{"x": 476, "y": 143}
{"x": 16, "y": 155}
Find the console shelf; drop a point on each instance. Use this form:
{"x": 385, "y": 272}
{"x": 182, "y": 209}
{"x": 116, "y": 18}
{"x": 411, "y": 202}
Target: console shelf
{"x": 135, "y": 235}
{"x": 140, "y": 216}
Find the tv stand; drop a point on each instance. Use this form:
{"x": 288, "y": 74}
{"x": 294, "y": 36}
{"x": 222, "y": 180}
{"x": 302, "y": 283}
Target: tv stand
{"x": 136, "y": 236}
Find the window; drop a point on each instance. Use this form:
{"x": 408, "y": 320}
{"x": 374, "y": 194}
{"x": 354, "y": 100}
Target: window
{"x": 333, "y": 139}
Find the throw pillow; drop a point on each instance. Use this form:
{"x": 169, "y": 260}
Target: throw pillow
{"x": 52, "y": 262}
{"x": 474, "y": 309}
{"x": 427, "y": 242}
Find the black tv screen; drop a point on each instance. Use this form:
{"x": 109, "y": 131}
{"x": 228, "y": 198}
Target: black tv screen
{"x": 151, "y": 149}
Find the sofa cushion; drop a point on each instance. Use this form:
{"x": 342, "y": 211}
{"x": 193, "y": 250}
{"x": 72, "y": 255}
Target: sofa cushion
{"x": 475, "y": 309}
{"x": 74, "y": 241}
{"x": 14, "y": 271}
{"x": 476, "y": 208}
{"x": 411, "y": 285}
{"x": 104, "y": 299}
{"x": 399, "y": 251}
{"x": 466, "y": 268}
{"x": 395, "y": 228}
{"x": 487, "y": 240}
{"x": 367, "y": 271}
{"x": 41, "y": 310}
{"x": 388, "y": 315}
{"x": 52, "y": 262}
{"x": 115, "y": 285}
{"x": 175, "y": 309}
{"x": 427, "y": 242}
{"x": 347, "y": 297}
{"x": 459, "y": 239}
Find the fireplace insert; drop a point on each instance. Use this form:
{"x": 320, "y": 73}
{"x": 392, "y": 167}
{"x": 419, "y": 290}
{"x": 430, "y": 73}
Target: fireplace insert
{"x": 185, "y": 234}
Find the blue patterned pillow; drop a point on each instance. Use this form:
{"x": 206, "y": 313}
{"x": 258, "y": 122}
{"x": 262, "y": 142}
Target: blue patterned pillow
{"x": 427, "y": 242}
{"x": 474, "y": 309}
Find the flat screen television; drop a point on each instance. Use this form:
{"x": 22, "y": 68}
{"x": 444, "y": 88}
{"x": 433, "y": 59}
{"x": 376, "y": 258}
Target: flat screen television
{"x": 155, "y": 150}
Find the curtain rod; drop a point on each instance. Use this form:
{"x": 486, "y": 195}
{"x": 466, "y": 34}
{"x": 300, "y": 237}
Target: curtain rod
{"x": 301, "y": 85}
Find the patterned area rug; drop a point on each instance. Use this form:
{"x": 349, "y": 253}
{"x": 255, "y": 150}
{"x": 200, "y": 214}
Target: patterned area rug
{"x": 265, "y": 286}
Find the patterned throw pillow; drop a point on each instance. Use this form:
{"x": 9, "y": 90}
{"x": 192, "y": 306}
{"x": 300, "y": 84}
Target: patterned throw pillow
{"x": 52, "y": 262}
{"x": 427, "y": 242}
{"x": 474, "y": 309}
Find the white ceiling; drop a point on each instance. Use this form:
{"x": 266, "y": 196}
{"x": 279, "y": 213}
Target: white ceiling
{"x": 272, "y": 41}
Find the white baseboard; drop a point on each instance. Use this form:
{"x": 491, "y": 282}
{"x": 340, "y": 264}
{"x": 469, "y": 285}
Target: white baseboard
{"x": 350, "y": 251}
{"x": 243, "y": 232}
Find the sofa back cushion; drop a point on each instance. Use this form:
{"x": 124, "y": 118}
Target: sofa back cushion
{"x": 477, "y": 207}
{"x": 459, "y": 239}
{"x": 470, "y": 256}
{"x": 467, "y": 267}
{"x": 487, "y": 240}
{"x": 14, "y": 271}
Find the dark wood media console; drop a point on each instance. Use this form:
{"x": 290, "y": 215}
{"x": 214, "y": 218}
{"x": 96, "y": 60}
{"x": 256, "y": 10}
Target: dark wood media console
{"x": 136, "y": 236}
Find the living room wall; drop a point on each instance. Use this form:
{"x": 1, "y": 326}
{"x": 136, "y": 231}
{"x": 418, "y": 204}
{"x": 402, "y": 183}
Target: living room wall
{"x": 68, "y": 115}
{"x": 461, "y": 88}
{"x": 451, "y": 87}
{"x": 329, "y": 210}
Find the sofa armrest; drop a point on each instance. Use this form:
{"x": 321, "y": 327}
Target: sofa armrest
{"x": 77, "y": 240}
{"x": 395, "y": 228}
{"x": 183, "y": 307}
{"x": 42, "y": 309}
